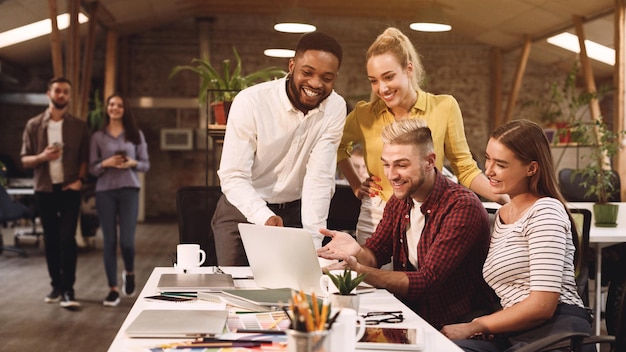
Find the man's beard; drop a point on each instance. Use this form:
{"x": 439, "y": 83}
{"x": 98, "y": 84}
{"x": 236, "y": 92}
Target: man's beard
{"x": 58, "y": 105}
{"x": 294, "y": 96}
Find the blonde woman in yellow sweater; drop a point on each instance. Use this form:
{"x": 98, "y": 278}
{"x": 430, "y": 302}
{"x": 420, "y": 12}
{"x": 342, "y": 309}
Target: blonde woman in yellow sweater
{"x": 395, "y": 72}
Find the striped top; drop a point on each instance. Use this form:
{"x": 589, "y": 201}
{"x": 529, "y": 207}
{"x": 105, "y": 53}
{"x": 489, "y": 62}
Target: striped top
{"x": 536, "y": 253}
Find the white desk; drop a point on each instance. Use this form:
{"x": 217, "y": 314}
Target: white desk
{"x": 381, "y": 300}
{"x": 599, "y": 237}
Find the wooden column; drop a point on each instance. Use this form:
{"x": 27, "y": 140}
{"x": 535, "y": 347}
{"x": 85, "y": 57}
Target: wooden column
{"x": 72, "y": 70}
{"x": 495, "y": 58}
{"x": 594, "y": 104}
{"x": 517, "y": 82}
{"x": 619, "y": 76}
{"x": 55, "y": 40}
{"x": 90, "y": 47}
{"x": 110, "y": 64}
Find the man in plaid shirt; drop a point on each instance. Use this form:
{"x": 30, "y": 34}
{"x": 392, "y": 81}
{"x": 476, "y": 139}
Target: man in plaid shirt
{"x": 434, "y": 231}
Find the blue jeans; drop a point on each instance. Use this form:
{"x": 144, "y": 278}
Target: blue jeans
{"x": 118, "y": 204}
{"x": 58, "y": 211}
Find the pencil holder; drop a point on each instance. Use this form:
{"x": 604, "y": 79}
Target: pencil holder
{"x": 314, "y": 341}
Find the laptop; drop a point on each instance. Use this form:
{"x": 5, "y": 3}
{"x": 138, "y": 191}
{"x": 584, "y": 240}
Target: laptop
{"x": 171, "y": 323}
{"x": 190, "y": 282}
{"x": 284, "y": 257}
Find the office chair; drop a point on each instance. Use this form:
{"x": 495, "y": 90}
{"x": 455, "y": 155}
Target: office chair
{"x": 344, "y": 210}
{"x": 570, "y": 185}
{"x": 573, "y": 341}
{"x": 582, "y": 221}
{"x": 11, "y": 210}
{"x": 195, "y": 206}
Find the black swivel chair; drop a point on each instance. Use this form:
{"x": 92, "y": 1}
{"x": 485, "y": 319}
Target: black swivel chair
{"x": 571, "y": 187}
{"x": 195, "y": 206}
{"x": 344, "y": 210}
{"x": 11, "y": 210}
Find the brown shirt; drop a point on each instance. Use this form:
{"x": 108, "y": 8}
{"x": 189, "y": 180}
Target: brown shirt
{"x": 75, "y": 148}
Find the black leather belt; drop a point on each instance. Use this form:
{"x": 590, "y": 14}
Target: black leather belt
{"x": 293, "y": 204}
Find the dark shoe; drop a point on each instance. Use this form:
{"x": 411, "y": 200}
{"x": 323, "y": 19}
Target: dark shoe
{"x": 53, "y": 297}
{"x": 129, "y": 284}
{"x": 112, "y": 300}
{"x": 68, "y": 301}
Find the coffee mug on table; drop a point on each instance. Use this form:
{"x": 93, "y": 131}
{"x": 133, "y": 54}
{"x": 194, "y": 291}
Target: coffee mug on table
{"x": 327, "y": 285}
{"x": 343, "y": 333}
{"x": 189, "y": 256}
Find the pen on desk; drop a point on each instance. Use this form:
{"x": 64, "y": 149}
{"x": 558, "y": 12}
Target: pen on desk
{"x": 180, "y": 294}
{"x": 219, "y": 344}
{"x": 260, "y": 331}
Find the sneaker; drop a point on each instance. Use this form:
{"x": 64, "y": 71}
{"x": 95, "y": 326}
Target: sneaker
{"x": 112, "y": 300}
{"x": 129, "y": 284}
{"x": 53, "y": 297}
{"x": 68, "y": 301}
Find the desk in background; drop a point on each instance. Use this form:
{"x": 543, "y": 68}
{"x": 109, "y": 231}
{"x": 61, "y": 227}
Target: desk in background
{"x": 599, "y": 237}
{"x": 381, "y": 300}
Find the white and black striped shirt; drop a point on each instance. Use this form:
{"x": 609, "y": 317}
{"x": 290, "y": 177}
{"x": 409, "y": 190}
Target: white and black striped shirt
{"x": 536, "y": 253}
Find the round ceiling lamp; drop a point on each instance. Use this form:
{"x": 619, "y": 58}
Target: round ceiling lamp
{"x": 431, "y": 19}
{"x": 279, "y": 53}
{"x": 294, "y": 20}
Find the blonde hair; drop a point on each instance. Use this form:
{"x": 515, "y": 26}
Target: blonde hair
{"x": 409, "y": 132}
{"x": 393, "y": 41}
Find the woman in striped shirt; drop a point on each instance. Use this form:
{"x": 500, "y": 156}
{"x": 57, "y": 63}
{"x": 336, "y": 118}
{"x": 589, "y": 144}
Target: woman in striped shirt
{"x": 530, "y": 264}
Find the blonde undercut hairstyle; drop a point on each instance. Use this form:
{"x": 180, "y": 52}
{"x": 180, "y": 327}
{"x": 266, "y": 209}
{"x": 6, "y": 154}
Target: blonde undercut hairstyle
{"x": 409, "y": 132}
{"x": 393, "y": 41}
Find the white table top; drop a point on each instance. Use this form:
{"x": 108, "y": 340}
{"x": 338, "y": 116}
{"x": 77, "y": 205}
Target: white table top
{"x": 380, "y": 300}
{"x": 602, "y": 236}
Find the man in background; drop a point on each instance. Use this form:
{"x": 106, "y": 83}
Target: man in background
{"x": 56, "y": 145}
{"x": 278, "y": 161}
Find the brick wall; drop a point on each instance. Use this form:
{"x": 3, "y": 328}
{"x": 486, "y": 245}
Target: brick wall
{"x": 453, "y": 65}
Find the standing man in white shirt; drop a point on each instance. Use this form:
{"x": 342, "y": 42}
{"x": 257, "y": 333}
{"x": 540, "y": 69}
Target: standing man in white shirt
{"x": 55, "y": 145}
{"x": 279, "y": 156}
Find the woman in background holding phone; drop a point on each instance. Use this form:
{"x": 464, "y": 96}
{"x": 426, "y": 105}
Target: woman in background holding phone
{"x": 118, "y": 151}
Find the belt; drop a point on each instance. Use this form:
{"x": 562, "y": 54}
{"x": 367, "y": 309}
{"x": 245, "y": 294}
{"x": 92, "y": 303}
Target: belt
{"x": 293, "y": 204}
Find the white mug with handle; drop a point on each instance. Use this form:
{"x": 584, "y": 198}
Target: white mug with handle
{"x": 189, "y": 256}
{"x": 344, "y": 334}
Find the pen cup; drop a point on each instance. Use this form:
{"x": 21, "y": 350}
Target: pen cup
{"x": 314, "y": 341}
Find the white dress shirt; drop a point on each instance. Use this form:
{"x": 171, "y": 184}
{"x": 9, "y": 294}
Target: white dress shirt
{"x": 273, "y": 153}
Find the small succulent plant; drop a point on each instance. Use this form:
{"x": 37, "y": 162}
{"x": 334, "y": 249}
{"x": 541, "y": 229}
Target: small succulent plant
{"x": 344, "y": 282}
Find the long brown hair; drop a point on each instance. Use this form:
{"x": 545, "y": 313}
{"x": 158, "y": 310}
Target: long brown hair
{"x": 131, "y": 131}
{"x": 528, "y": 142}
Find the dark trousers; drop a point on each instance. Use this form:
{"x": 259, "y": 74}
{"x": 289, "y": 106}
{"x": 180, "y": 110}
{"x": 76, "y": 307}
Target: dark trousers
{"x": 118, "y": 206}
{"x": 566, "y": 318}
{"x": 58, "y": 211}
{"x": 228, "y": 245}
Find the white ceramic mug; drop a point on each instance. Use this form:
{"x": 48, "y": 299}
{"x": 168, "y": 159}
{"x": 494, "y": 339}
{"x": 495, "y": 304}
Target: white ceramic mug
{"x": 327, "y": 285}
{"x": 189, "y": 256}
{"x": 345, "y": 332}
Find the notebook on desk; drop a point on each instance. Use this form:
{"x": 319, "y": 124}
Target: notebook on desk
{"x": 161, "y": 323}
{"x": 284, "y": 257}
{"x": 191, "y": 282}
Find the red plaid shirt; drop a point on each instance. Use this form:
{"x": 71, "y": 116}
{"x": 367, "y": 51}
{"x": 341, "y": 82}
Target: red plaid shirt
{"x": 451, "y": 252}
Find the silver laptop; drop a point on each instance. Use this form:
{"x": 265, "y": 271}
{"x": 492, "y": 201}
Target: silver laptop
{"x": 157, "y": 323}
{"x": 192, "y": 282}
{"x": 284, "y": 257}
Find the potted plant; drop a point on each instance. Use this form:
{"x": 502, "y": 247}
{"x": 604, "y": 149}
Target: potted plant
{"x": 346, "y": 283}
{"x": 225, "y": 84}
{"x": 598, "y": 177}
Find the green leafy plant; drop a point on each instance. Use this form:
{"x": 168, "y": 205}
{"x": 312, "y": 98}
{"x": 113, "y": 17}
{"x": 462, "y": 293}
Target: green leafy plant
{"x": 598, "y": 177}
{"x": 229, "y": 81}
{"x": 344, "y": 282}
{"x": 95, "y": 116}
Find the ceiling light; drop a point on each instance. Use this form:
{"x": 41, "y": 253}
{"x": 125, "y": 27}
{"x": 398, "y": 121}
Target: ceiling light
{"x": 431, "y": 19}
{"x": 294, "y": 20}
{"x": 36, "y": 29}
{"x": 279, "y": 53}
{"x": 595, "y": 51}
